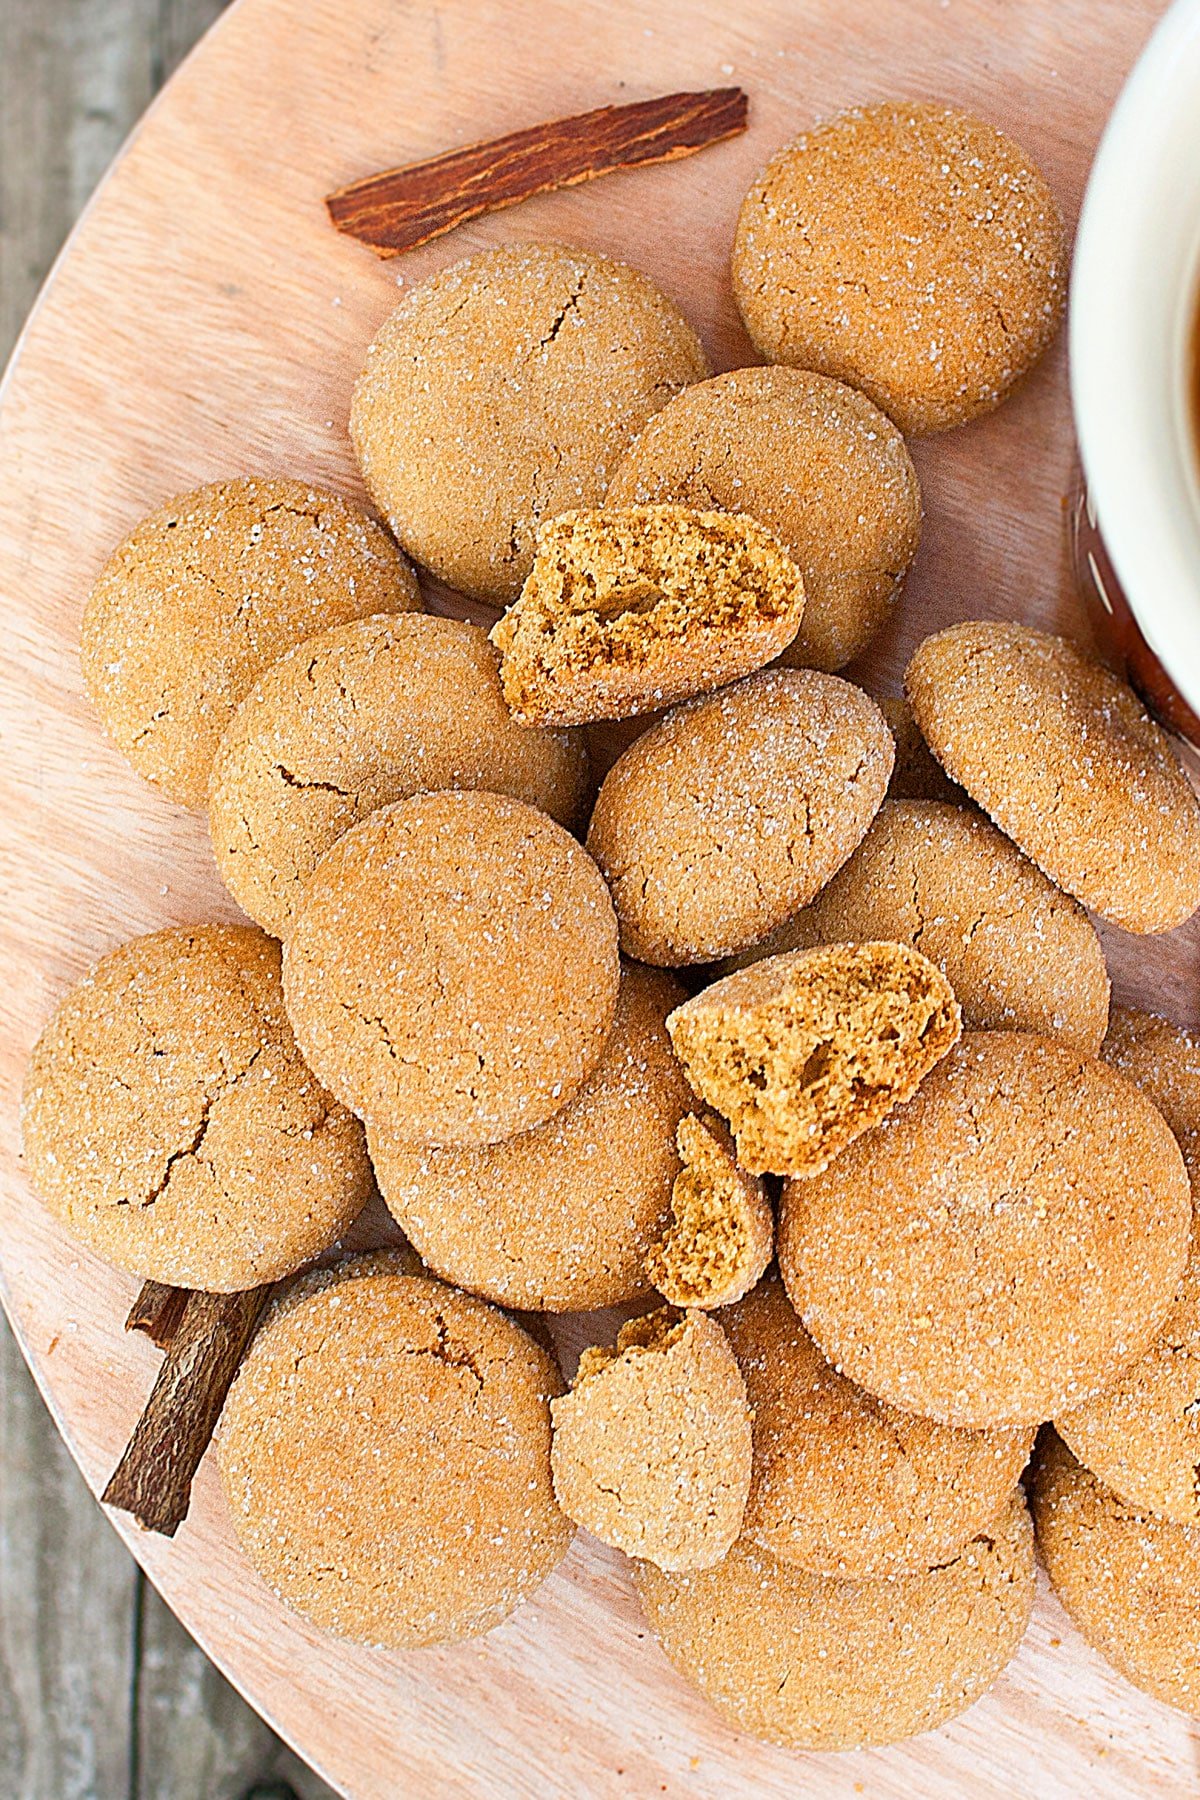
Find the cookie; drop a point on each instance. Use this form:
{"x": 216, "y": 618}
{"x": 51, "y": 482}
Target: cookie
{"x": 651, "y": 1448}
{"x": 504, "y": 390}
{"x": 353, "y": 719}
{"x": 722, "y": 1230}
{"x": 804, "y": 1052}
{"x": 911, "y": 250}
{"x": 844, "y": 1484}
{"x": 1067, "y": 762}
{"x": 204, "y": 595}
{"x": 629, "y": 609}
{"x": 385, "y": 1453}
{"x": 1002, "y": 1247}
{"x": 814, "y": 460}
{"x": 1164, "y": 1060}
{"x": 720, "y": 821}
{"x": 561, "y": 1218}
{"x": 916, "y": 772}
{"x": 816, "y": 1664}
{"x": 1019, "y": 953}
{"x": 170, "y": 1124}
{"x": 452, "y": 969}
{"x": 1131, "y": 1582}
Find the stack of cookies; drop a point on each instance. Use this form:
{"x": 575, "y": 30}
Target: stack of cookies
{"x": 793, "y": 1039}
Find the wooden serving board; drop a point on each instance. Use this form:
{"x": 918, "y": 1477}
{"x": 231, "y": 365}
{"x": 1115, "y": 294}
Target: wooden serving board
{"x": 205, "y": 321}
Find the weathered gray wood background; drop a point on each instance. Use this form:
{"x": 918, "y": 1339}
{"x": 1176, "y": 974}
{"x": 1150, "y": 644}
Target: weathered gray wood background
{"x": 103, "y": 1696}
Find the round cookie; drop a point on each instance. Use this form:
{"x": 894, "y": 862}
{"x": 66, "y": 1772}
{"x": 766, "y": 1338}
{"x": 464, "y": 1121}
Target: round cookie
{"x": 844, "y": 1484}
{"x": 171, "y": 1125}
{"x": 453, "y": 969}
{"x": 911, "y": 250}
{"x": 208, "y": 592}
{"x": 720, "y": 821}
{"x": 503, "y": 390}
{"x": 1164, "y": 1061}
{"x": 385, "y": 1453}
{"x": 1002, "y": 1247}
{"x": 815, "y": 461}
{"x": 1131, "y": 1582}
{"x": 1067, "y": 762}
{"x": 816, "y": 1664}
{"x": 559, "y": 1219}
{"x": 353, "y": 719}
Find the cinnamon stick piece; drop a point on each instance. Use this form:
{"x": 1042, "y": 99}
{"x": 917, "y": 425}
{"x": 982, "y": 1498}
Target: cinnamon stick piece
{"x": 157, "y": 1312}
{"x": 401, "y": 208}
{"x": 153, "y": 1480}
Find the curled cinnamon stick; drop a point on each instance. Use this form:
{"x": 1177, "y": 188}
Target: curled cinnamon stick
{"x": 401, "y": 208}
{"x": 157, "y": 1312}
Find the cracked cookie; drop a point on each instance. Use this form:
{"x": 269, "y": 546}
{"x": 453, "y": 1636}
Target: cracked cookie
{"x": 171, "y": 1125}
{"x": 385, "y": 1453}
{"x": 560, "y": 1218}
{"x": 204, "y": 595}
{"x": 353, "y": 719}
{"x": 629, "y": 609}
{"x": 452, "y": 970}
{"x": 717, "y": 823}
{"x": 910, "y": 250}
{"x": 815, "y": 461}
{"x": 802, "y": 1053}
{"x": 844, "y": 1484}
{"x": 1066, "y": 761}
{"x": 1003, "y": 1246}
{"x": 820, "y": 1664}
{"x": 502, "y": 391}
{"x": 651, "y": 1447}
{"x": 722, "y": 1230}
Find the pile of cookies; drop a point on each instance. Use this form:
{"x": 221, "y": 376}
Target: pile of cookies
{"x": 793, "y": 1039}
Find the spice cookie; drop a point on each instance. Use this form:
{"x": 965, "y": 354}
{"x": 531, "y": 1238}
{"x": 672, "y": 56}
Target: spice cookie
{"x": 385, "y": 1452}
{"x": 353, "y": 719}
{"x": 651, "y": 1448}
{"x": 1130, "y": 1581}
{"x": 1067, "y": 762}
{"x": 1001, "y": 1248}
{"x": 503, "y": 390}
{"x": 452, "y": 969}
{"x": 722, "y": 1230}
{"x": 816, "y": 1664}
{"x": 814, "y": 460}
{"x": 208, "y": 592}
{"x": 560, "y": 1218}
{"x": 720, "y": 821}
{"x": 911, "y": 250}
{"x": 171, "y": 1125}
{"x": 844, "y": 1484}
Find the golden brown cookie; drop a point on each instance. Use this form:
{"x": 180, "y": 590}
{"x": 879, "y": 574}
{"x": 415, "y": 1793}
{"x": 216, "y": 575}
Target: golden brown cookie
{"x": 205, "y": 594}
{"x": 171, "y": 1125}
{"x": 814, "y": 460}
{"x": 804, "y": 1052}
{"x": 722, "y": 1230}
{"x": 359, "y": 716}
{"x": 559, "y": 1219}
{"x": 720, "y": 821}
{"x": 916, "y": 773}
{"x": 503, "y": 390}
{"x": 816, "y": 1664}
{"x": 452, "y": 970}
{"x": 1164, "y": 1060}
{"x": 1067, "y": 762}
{"x": 1002, "y": 1247}
{"x": 1130, "y": 1581}
{"x": 385, "y": 1452}
{"x": 651, "y": 1447}
{"x": 629, "y": 609}
{"x": 911, "y": 250}
{"x": 844, "y": 1484}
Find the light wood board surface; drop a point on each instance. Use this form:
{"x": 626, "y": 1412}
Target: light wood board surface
{"x": 205, "y": 321}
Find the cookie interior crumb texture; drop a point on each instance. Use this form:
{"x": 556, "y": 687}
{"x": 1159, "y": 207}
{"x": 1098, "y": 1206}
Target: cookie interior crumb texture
{"x": 651, "y": 1448}
{"x": 722, "y": 1230}
{"x": 629, "y": 609}
{"x": 802, "y": 1053}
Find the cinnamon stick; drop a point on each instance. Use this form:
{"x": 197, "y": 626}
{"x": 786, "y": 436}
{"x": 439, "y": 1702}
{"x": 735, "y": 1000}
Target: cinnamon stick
{"x": 401, "y": 208}
{"x": 157, "y": 1312}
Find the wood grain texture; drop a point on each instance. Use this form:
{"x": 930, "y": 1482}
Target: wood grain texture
{"x": 185, "y": 341}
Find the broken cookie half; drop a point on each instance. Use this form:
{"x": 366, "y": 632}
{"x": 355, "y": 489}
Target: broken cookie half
{"x": 722, "y": 1229}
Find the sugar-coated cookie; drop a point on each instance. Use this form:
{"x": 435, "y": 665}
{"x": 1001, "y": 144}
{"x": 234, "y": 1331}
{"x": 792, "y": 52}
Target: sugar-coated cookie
{"x": 722, "y": 1230}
